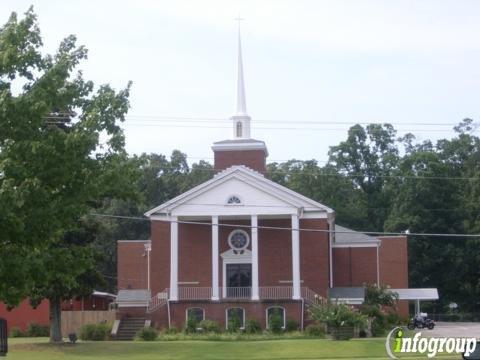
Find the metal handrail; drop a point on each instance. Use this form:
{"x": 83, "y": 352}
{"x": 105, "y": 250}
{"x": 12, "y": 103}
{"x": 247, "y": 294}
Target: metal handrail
{"x": 205, "y": 293}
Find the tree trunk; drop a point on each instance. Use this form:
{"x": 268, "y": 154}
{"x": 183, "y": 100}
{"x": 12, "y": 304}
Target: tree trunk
{"x": 55, "y": 320}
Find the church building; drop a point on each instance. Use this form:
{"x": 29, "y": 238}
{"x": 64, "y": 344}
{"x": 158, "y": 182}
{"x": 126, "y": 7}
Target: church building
{"x": 242, "y": 245}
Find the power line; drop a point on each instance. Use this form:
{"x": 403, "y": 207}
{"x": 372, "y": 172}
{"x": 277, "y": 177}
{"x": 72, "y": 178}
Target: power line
{"x": 376, "y": 233}
{"x": 278, "y": 121}
{"x": 271, "y": 128}
{"x": 309, "y": 173}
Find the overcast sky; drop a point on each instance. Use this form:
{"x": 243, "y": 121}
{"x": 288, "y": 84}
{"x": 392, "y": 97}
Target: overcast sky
{"x": 336, "y": 62}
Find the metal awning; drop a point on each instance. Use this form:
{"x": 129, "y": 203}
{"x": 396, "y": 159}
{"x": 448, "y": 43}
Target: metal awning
{"x": 349, "y": 295}
{"x": 425, "y": 294}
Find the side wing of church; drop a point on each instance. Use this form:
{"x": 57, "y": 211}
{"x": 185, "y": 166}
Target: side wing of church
{"x": 243, "y": 245}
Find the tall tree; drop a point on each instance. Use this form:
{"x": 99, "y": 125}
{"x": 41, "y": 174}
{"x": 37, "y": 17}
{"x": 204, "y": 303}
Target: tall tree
{"x": 54, "y": 166}
{"x": 369, "y": 156}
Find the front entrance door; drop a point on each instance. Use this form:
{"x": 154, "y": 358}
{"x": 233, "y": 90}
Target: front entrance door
{"x": 239, "y": 280}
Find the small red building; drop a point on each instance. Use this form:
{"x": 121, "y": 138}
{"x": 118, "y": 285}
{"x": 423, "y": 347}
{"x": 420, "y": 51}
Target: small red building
{"x": 24, "y": 314}
{"x": 243, "y": 244}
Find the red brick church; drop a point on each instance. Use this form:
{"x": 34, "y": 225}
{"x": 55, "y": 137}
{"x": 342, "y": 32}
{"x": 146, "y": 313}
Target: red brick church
{"x": 243, "y": 244}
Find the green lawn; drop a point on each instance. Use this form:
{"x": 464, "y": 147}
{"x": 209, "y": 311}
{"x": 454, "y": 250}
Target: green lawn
{"x": 39, "y": 349}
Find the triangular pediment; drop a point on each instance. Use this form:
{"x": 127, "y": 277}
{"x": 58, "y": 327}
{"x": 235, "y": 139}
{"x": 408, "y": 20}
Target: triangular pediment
{"x": 256, "y": 194}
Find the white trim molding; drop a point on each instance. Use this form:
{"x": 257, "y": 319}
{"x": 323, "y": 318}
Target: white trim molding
{"x": 194, "y": 307}
{"x": 284, "y": 315}
{"x": 226, "y": 316}
{"x": 230, "y": 257}
{"x": 215, "y": 290}
{"x": 255, "y": 267}
{"x": 174, "y": 259}
{"x": 296, "y": 258}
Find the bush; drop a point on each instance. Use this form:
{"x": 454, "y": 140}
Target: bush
{"x": 317, "y": 330}
{"x": 233, "y": 324}
{"x": 171, "y": 331}
{"x": 37, "y": 330}
{"x": 340, "y": 319}
{"x": 252, "y": 326}
{"x": 191, "y": 326}
{"x": 16, "y": 332}
{"x": 292, "y": 325}
{"x": 210, "y": 326}
{"x": 275, "y": 322}
{"x": 95, "y": 332}
{"x": 147, "y": 334}
{"x": 379, "y": 326}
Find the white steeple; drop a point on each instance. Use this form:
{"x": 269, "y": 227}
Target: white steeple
{"x": 240, "y": 120}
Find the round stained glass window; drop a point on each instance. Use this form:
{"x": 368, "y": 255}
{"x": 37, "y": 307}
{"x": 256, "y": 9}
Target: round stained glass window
{"x": 238, "y": 240}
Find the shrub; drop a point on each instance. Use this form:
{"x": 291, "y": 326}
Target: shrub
{"x": 191, "y": 326}
{"x": 95, "y": 332}
{"x": 275, "y": 322}
{"x": 292, "y": 325}
{"x": 210, "y": 326}
{"x": 147, "y": 334}
{"x": 340, "y": 318}
{"x": 233, "y": 324}
{"x": 252, "y": 326}
{"x": 37, "y": 330}
{"x": 16, "y": 332}
{"x": 379, "y": 326}
{"x": 317, "y": 330}
{"x": 171, "y": 331}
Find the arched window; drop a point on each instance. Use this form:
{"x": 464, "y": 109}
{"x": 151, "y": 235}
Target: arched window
{"x": 239, "y": 129}
{"x": 195, "y": 314}
{"x": 234, "y": 200}
{"x": 235, "y": 319}
{"x": 275, "y": 311}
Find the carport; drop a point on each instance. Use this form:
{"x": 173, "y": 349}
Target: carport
{"x": 417, "y": 295}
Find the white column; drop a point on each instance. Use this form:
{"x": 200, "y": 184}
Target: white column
{"x": 173, "y": 258}
{"x": 295, "y": 257}
{"x": 215, "y": 293}
{"x": 255, "y": 289}
{"x": 148, "y": 249}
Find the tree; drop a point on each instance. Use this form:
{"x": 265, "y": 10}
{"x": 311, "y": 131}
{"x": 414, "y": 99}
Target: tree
{"x": 369, "y": 156}
{"x": 54, "y": 166}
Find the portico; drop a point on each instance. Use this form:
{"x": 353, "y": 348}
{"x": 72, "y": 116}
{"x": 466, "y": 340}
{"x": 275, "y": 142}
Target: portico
{"x": 238, "y": 254}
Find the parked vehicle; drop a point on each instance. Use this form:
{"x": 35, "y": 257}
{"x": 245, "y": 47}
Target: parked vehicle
{"x": 421, "y": 321}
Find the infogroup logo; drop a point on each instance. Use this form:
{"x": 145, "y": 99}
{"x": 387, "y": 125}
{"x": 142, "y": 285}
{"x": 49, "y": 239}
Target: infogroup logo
{"x": 398, "y": 343}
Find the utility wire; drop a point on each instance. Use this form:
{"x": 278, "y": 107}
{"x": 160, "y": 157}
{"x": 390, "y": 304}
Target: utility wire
{"x": 162, "y": 118}
{"x": 303, "y": 172}
{"x": 377, "y": 233}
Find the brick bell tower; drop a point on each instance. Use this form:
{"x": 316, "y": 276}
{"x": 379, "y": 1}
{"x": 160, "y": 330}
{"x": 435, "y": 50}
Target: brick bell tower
{"x": 242, "y": 149}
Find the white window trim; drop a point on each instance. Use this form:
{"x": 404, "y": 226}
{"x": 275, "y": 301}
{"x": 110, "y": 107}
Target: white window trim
{"x": 242, "y": 232}
{"x": 229, "y": 257}
{"x": 284, "y": 315}
{"x": 194, "y": 307}
{"x": 226, "y": 316}
{"x": 234, "y": 195}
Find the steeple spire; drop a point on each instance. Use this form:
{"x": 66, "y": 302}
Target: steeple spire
{"x": 241, "y": 108}
{"x": 241, "y": 120}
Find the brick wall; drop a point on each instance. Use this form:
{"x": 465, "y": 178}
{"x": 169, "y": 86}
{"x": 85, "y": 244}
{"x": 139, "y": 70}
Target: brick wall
{"x": 354, "y": 266}
{"x": 160, "y": 256}
{"x": 314, "y": 254}
{"x": 274, "y": 253}
{"x": 24, "y": 314}
{"x": 131, "y": 265}
{"x": 217, "y": 311}
{"x": 254, "y": 159}
{"x": 394, "y": 266}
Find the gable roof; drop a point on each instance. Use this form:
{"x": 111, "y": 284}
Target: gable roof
{"x": 346, "y": 235}
{"x": 253, "y": 178}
